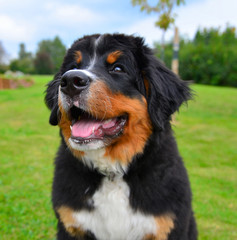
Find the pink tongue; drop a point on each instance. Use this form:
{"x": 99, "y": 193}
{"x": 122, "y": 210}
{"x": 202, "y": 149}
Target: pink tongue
{"x": 85, "y": 128}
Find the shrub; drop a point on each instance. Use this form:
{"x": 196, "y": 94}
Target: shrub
{"x": 210, "y": 58}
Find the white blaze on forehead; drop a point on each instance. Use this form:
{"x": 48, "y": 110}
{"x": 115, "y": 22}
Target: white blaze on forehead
{"x": 98, "y": 40}
{"x": 93, "y": 59}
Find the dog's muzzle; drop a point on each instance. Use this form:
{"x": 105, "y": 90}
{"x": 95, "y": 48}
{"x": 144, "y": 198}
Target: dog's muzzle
{"x": 73, "y": 82}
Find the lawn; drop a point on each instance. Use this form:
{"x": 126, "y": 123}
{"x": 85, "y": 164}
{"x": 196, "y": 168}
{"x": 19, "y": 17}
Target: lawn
{"x": 206, "y": 134}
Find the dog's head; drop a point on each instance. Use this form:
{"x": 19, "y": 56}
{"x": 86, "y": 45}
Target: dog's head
{"x": 112, "y": 93}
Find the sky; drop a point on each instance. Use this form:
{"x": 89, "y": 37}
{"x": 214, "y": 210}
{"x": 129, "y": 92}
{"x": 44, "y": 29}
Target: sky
{"x": 30, "y": 21}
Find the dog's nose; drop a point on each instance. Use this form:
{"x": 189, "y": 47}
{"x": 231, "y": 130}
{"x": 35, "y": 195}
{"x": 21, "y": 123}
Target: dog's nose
{"x": 74, "y": 82}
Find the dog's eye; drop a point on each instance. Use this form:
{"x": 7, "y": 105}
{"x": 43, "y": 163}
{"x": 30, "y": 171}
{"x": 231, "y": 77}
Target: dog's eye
{"x": 118, "y": 69}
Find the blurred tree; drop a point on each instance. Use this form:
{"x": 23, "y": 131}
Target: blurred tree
{"x": 43, "y": 63}
{"x": 24, "y": 63}
{"x": 164, "y": 8}
{"x": 2, "y": 53}
{"x": 57, "y": 53}
{"x": 22, "y": 52}
{"x": 52, "y": 53}
{"x": 3, "y": 56}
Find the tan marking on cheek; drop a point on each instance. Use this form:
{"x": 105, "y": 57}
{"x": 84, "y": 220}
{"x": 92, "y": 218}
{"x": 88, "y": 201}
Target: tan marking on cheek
{"x": 113, "y": 57}
{"x": 78, "y": 56}
{"x": 70, "y": 224}
{"x": 65, "y": 124}
{"x": 105, "y": 104}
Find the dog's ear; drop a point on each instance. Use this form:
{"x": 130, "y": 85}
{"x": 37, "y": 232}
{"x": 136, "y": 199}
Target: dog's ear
{"x": 51, "y": 99}
{"x": 165, "y": 91}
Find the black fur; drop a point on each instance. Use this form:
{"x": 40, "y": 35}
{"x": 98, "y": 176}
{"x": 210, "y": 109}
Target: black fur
{"x": 157, "y": 178}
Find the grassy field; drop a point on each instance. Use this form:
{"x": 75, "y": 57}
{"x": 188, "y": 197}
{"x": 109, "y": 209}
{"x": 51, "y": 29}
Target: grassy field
{"x": 206, "y": 134}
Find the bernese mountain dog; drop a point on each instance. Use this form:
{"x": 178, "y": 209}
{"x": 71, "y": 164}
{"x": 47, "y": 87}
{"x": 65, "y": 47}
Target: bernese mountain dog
{"x": 118, "y": 173}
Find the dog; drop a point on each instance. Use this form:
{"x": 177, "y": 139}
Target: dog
{"x": 118, "y": 173}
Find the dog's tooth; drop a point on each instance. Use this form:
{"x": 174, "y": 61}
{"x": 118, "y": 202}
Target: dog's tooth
{"x": 107, "y": 121}
{"x": 71, "y": 127}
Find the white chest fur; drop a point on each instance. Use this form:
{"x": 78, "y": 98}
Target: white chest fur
{"x": 112, "y": 217}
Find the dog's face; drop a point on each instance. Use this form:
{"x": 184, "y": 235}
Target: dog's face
{"x": 111, "y": 93}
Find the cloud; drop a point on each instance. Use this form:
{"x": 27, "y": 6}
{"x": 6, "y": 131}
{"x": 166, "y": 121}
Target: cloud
{"x": 30, "y": 24}
{"x": 30, "y": 21}
{"x": 12, "y": 29}
{"x": 69, "y": 14}
{"x": 190, "y": 17}
{"x": 14, "y": 3}
{"x": 207, "y": 13}
{"x": 144, "y": 28}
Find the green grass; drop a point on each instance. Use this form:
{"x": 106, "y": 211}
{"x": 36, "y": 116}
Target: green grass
{"x": 27, "y": 148}
{"x": 206, "y": 134}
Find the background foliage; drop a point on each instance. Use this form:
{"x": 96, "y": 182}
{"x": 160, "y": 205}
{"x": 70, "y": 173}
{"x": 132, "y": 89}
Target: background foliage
{"x": 210, "y": 58}
{"x": 49, "y": 56}
{"x": 47, "y": 59}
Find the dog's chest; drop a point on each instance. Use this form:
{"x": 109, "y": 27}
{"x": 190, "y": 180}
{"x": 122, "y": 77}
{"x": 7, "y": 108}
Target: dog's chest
{"x": 112, "y": 216}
